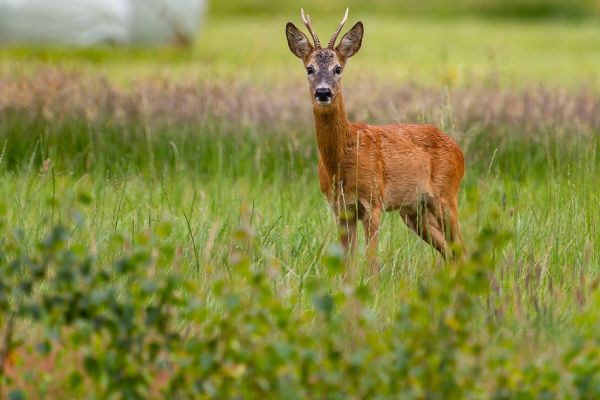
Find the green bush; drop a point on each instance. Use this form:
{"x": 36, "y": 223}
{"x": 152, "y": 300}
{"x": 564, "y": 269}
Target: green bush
{"x": 138, "y": 330}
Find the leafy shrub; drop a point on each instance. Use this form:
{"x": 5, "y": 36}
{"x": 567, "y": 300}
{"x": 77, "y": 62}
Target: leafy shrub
{"x": 135, "y": 330}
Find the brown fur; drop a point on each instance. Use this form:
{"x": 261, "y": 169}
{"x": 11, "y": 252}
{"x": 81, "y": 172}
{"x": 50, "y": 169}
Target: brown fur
{"x": 365, "y": 169}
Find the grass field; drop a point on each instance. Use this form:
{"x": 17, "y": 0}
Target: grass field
{"x": 101, "y": 142}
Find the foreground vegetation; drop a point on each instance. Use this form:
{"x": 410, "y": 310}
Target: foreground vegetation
{"x": 138, "y": 330}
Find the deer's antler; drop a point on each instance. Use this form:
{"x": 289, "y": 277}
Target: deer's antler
{"x": 307, "y": 23}
{"x": 337, "y": 32}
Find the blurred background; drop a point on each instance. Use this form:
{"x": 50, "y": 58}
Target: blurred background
{"x": 445, "y": 43}
{"x": 488, "y": 8}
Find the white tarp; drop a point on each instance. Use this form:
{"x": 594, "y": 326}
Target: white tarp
{"x": 86, "y": 22}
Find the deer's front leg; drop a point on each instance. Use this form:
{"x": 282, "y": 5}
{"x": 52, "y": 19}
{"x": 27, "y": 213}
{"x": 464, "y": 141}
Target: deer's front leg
{"x": 371, "y": 223}
{"x": 347, "y": 233}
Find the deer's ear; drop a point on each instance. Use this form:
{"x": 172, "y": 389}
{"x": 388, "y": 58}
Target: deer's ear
{"x": 351, "y": 42}
{"x": 298, "y": 42}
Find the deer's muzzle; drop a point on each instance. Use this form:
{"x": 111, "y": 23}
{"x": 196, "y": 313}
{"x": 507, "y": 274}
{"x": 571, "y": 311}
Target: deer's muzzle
{"x": 323, "y": 95}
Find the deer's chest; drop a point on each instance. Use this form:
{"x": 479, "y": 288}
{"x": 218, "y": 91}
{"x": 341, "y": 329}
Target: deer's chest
{"x": 357, "y": 180}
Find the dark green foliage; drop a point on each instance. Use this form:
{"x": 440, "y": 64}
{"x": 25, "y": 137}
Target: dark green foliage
{"x": 139, "y": 332}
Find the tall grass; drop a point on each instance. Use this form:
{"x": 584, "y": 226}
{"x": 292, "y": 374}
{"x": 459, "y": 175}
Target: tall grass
{"x": 142, "y": 169}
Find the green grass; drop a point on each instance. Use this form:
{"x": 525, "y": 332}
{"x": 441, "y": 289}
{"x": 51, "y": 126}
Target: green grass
{"x": 135, "y": 182}
{"x": 447, "y": 52}
{"x": 525, "y": 9}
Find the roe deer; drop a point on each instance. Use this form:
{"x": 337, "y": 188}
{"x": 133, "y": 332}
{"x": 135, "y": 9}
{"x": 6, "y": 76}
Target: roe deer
{"x": 365, "y": 169}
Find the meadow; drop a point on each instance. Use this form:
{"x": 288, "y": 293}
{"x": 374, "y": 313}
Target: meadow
{"x": 164, "y": 234}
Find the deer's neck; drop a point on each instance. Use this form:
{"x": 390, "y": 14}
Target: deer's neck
{"x": 333, "y": 133}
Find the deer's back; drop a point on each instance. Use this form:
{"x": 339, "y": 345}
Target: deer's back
{"x": 406, "y": 161}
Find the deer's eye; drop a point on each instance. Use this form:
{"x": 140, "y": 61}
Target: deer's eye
{"x": 337, "y": 70}
{"x": 310, "y": 70}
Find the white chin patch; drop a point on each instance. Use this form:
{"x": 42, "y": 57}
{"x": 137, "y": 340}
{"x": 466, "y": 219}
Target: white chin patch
{"x": 323, "y": 102}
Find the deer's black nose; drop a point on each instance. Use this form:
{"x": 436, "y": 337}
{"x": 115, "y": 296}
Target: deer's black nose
{"x": 323, "y": 94}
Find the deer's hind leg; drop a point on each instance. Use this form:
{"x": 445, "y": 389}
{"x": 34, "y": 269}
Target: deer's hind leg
{"x": 455, "y": 234}
{"x": 446, "y": 217}
{"x": 427, "y": 229}
{"x": 426, "y": 226}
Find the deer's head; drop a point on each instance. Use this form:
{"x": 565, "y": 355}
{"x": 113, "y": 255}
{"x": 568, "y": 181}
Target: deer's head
{"x": 324, "y": 66}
